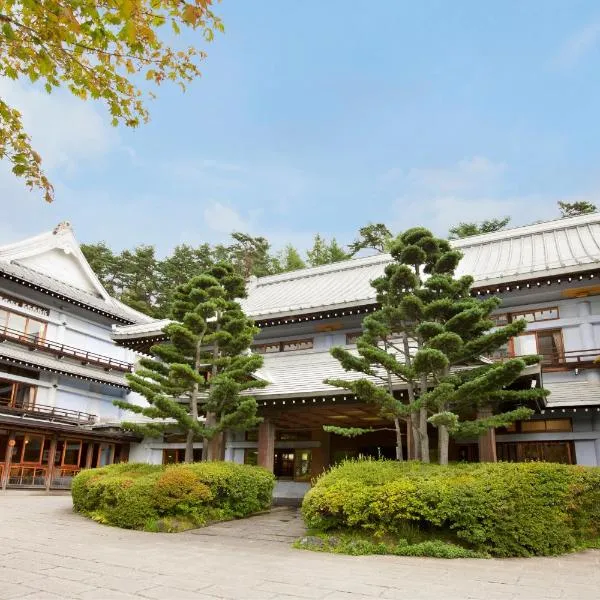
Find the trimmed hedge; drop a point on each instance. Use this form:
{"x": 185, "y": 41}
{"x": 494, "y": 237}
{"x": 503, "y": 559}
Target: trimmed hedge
{"x": 499, "y": 509}
{"x": 171, "y": 498}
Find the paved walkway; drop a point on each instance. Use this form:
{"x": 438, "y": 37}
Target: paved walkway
{"x": 48, "y": 552}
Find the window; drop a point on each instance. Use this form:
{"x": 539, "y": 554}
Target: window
{"x": 17, "y": 395}
{"x": 71, "y": 453}
{"x": 548, "y": 343}
{"x": 33, "y": 328}
{"x": 287, "y": 346}
{"x": 550, "y": 346}
{"x": 531, "y": 316}
{"x": 250, "y": 457}
{"x": 177, "y": 455}
{"x": 501, "y": 319}
{"x": 540, "y": 314}
{"x": 32, "y": 449}
{"x": 538, "y": 425}
{"x": 559, "y": 452}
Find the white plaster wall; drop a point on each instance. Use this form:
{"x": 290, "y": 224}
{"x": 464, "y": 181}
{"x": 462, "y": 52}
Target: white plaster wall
{"x": 585, "y": 453}
{"x": 96, "y": 404}
{"x": 62, "y": 266}
{"x": 144, "y": 453}
{"x": 93, "y": 337}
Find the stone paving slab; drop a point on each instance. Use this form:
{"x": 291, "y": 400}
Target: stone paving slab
{"x": 47, "y": 551}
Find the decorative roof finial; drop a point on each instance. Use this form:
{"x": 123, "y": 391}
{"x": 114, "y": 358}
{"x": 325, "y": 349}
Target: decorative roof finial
{"x": 63, "y": 226}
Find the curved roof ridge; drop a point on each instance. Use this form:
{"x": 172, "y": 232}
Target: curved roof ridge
{"x": 523, "y": 230}
{"x": 342, "y": 265}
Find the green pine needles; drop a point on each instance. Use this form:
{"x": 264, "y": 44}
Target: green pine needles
{"x": 196, "y": 382}
{"x": 428, "y": 338}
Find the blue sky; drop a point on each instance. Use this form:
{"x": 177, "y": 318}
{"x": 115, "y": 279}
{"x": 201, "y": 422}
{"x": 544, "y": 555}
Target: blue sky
{"x": 320, "y": 116}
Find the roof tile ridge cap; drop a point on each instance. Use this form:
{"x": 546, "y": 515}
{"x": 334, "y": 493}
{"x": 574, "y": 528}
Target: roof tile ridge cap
{"x": 35, "y": 239}
{"x": 340, "y": 265}
{"x": 531, "y": 228}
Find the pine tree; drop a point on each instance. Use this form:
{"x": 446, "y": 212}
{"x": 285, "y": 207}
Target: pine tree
{"x": 463, "y": 230}
{"x": 138, "y": 278}
{"x": 289, "y": 259}
{"x": 324, "y": 252}
{"x": 574, "y": 209}
{"x": 429, "y": 335}
{"x": 184, "y": 263}
{"x": 103, "y": 262}
{"x": 374, "y": 236}
{"x": 205, "y": 367}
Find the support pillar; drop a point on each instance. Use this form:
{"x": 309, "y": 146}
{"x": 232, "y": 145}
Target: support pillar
{"x": 487, "y": 441}
{"x": 89, "y": 456}
{"x": 51, "y": 458}
{"x": 266, "y": 445}
{"x": 8, "y": 459}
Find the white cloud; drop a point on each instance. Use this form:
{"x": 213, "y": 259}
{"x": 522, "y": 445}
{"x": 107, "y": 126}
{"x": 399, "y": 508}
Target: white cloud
{"x": 467, "y": 174}
{"x": 578, "y": 45}
{"x": 472, "y": 190}
{"x": 64, "y": 129}
{"x": 222, "y": 218}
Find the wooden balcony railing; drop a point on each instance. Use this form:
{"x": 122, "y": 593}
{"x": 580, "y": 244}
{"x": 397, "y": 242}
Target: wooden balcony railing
{"x": 569, "y": 359}
{"x": 50, "y": 413}
{"x": 572, "y": 359}
{"x": 63, "y": 350}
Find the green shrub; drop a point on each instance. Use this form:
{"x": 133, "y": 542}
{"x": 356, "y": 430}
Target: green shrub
{"x": 171, "y": 498}
{"x": 502, "y": 509}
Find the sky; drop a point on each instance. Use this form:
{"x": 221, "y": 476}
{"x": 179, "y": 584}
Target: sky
{"x": 323, "y": 116}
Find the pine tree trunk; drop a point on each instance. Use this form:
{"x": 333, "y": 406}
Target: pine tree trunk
{"x": 211, "y": 418}
{"x": 189, "y": 447}
{"x": 399, "y": 453}
{"x": 416, "y": 440}
{"x": 443, "y": 442}
{"x": 423, "y": 435}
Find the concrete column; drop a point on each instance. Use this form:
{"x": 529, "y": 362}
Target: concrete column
{"x": 266, "y": 445}
{"x": 487, "y": 441}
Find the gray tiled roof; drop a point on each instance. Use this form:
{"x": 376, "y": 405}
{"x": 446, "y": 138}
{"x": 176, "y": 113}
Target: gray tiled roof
{"x": 544, "y": 249}
{"x": 297, "y": 374}
{"x": 551, "y": 248}
{"x": 571, "y": 394}
{"x": 110, "y": 306}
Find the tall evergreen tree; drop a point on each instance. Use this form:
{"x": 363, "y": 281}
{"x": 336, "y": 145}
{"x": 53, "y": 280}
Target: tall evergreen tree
{"x": 374, "y": 236}
{"x": 138, "y": 278}
{"x": 184, "y": 263}
{"x": 194, "y": 382}
{"x": 463, "y": 230}
{"x": 324, "y": 252}
{"x": 103, "y": 262}
{"x": 429, "y": 334}
{"x": 574, "y": 209}
{"x": 289, "y": 259}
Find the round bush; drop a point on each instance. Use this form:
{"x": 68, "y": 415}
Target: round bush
{"x": 501, "y": 509}
{"x": 171, "y": 498}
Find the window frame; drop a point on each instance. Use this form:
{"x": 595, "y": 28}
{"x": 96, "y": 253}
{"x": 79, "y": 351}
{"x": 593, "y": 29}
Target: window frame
{"x": 282, "y": 344}
{"x": 8, "y": 313}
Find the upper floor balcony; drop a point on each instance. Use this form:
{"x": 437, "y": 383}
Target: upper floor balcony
{"x": 20, "y": 399}
{"x": 35, "y": 341}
